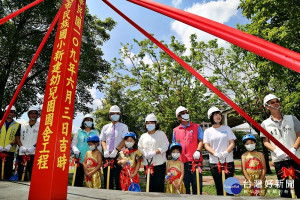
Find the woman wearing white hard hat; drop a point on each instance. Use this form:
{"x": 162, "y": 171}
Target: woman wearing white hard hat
{"x": 219, "y": 142}
{"x": 154, "y": 145}
{"x": 7, "y": 141}
{"x": 26, "y": 141}
{"x": 286, "y": 129}
{"x": 112, "y": 140}
{"x": 80, "y": 146}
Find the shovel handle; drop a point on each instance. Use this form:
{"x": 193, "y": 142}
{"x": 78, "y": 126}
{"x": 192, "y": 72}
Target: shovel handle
{"x": 197, "y": 179}
{"x": 74, "y": 175}
{"x": 223, "y": 180}
{"x": 148, "y": 180}
{"x": 108, "y": 176}
{"x": 24, "y": 171}
{"x": 2, "y": 171}
{"x": 293, "y": 190}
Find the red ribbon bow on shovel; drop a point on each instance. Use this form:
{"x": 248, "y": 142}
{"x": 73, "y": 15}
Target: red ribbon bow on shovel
{"x": 109, "y": 162}
{"x": 195, "y": 165}
{"x": 3, "y": 156}
{"x": 25, "y": 159}
{"x": 151, "y": 168}
{"x": 75, "y": 160}
{"x": 225, "y": 167}
{"x": 286, "y": 172}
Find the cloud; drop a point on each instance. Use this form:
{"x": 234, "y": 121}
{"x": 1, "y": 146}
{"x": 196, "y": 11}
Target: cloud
{"x": 220, "y": 11}
{"x": 176, "y": 3}
{"x": 97, "y": 102}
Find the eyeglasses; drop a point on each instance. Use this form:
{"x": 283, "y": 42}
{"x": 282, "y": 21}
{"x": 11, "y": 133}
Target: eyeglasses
{"x": 273, "y": 102}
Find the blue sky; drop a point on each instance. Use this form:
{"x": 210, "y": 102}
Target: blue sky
{"x": 163, "y": 27}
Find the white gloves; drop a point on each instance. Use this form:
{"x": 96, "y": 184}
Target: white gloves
{"x": 106, "y": 154}
{"x": 217, "y": 154}
{"x": 113, "y": 153}
{"x": 23, "y": 149}
{"x": 1, "y": 148}
{"x": 196, "y": 155}
{"x": 280, "y": 154}
{"x": 223, "y": 155}
{"x": 293, "y": 150}
{"x": 7, "y": 148}
{"x": 76, "y": 152}
{"x": 31, "y": 149}
{"x": 150, "y": 154}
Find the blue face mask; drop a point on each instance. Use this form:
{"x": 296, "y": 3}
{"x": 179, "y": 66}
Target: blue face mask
{"x": 88, "y": 124}
{"x": 150, "y": 127}
{"x": 115, "y": 117}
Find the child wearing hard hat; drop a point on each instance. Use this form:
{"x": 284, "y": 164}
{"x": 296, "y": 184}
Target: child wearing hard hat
{"x": 130, "y": 159}
{"x": 254, "y": 167}
{"x": 92, "y": 163}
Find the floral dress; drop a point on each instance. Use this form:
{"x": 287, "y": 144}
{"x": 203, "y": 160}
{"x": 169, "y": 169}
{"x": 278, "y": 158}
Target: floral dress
{"x": 133, "y": 156}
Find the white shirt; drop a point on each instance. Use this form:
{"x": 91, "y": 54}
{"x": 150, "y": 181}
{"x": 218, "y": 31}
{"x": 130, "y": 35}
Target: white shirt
{"x": 151, "y": 142}
{"x": 120, "y": 130}
{"x": 28, "y": 135}
{"x": 218, "y": 138}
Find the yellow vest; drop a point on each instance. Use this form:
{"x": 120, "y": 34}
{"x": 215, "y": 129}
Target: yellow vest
{"x": 7, "y": 137}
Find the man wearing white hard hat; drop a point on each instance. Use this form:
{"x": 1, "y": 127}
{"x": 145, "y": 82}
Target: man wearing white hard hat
{"x": 26, "y": 141}
{"x": 80, "y": 146}
{"x": 112, "y": 141}
{"x": 8, "y": 142}
{"x": 154, "y": 145}
{"x": 286, "y": 129}
{"x": 190, "y": 136}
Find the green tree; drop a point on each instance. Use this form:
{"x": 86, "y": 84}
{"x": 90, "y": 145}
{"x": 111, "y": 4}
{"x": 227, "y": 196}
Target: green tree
{"x": 20, "y": 38}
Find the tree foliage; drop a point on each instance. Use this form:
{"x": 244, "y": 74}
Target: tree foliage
{"x": 20, "y": 38}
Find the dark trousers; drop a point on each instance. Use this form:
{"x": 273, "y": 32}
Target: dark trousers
{"x": 190, "y": 179}
{"x": 157, "y": 179}
{"x": 8, "y": 165}
{"x": 79, "y": 176}
{"x": 114, "y": 178}
{"x": 28, "y": 168}
{"x": 218, "y": 176}
{"x": 284, "y": 190}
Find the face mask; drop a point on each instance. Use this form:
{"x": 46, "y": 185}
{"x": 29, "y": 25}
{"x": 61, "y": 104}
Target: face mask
{"x": 150, "y": 127}
{"x": 92, "y": 147}
{"x": 175, "y": 156}
{"x": 129, "y": 144}
{"x": 185, "y": 117}
{"x": 115, "y": 117}
{"x": 88, "y": 124}
{"x": 250, "y": 147}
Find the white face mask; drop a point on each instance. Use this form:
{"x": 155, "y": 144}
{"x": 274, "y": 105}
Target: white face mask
{"x": 88, "y": 124}
{"x": 250, "y": 147}
{"x": 175, "y": 156}
{"x": 115, "y": 117}
{"x": 150, "y": 127}
{"x": 92, "y": 147}
{"x": 129, "y": 144}
{"x": 185, "y": 117}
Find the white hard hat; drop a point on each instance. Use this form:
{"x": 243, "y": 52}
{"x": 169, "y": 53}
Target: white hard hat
{"x": 268, "y": 98}
{"x": 180, "y": 109}
{"x": 12, "y": 108}
{"x": 88, "y": 116}
{"x": 151, "y": 118}
{"x": 33, "y": 108}
{"x": 114, "y": 109}
{"x": 212, "y": 110}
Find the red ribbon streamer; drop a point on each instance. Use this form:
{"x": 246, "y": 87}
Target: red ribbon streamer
{"x": 151, "y": 169}
{"x": 127, "y": 151}
{"x": 75, "y": 160}
{"x": 25, "y": 159}
{"x": 195, "y": 165}
{"x": 5, "y": 19}
{"x": 206, "y": 82}
{"x": 286, "y": 172}
{"x": 225, "y": 167}
{"x": 109, "y": 162}
{"x": 3, "y": 156}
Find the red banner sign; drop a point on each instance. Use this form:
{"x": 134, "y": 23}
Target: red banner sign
{"x": 51, "y": 162}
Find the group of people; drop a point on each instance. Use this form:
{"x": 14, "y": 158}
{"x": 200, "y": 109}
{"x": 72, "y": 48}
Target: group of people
{"x": 120, "y": 153}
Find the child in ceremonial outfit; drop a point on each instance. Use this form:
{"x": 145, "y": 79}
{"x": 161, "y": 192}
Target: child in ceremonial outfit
{"x": 175, "y": 171}
{"x": 130, "y": 158}
{"x": 92, "y": 163}
{"x": 254, "y": 167}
